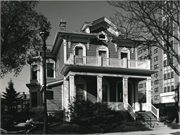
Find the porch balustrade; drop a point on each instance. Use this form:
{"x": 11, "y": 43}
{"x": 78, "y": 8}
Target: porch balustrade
{"x": 107, "y": 62}
{"x": 155, "y": 111}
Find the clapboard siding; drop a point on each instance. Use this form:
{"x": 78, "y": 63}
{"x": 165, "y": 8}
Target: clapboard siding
{"x": 112, "y": 52}
{"x": 92, "y": 50}
{"x": 56, "y": 102}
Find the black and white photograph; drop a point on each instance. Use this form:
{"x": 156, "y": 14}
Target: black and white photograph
{"x": 90, "y": 67}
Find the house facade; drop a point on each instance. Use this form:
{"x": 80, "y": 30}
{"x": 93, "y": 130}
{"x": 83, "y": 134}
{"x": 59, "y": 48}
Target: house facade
{"x": 94, "y": 64}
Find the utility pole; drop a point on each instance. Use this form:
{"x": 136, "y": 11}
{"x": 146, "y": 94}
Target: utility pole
{"x": 44, "y": 34}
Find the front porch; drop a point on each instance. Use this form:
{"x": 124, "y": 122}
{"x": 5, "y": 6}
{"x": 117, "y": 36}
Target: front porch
{"x": 119, "y": 91}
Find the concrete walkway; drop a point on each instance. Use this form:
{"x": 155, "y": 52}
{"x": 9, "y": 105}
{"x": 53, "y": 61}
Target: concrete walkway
{"x": 159, "y": 131}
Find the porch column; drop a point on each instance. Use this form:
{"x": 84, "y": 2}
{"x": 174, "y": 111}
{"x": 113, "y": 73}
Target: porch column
{"x": 125, "y": 92}
{"x": 136, "y": 104}
{"x": 71, "y": 88}
{"x": 65, "y": 97}
{"x": 99, "y": 88}
{"x": 148, "y": 94}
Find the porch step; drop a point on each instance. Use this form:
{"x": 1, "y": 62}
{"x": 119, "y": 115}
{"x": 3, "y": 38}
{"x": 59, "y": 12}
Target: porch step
{"x": 146, "y": 118}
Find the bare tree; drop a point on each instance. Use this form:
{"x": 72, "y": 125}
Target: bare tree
{"x": 156, "y": 23}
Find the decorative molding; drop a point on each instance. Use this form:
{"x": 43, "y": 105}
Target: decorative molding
{"x": 88, "y": 45}
{"x": 69, "y": 44}
{"x": 132, "y": 50}
{"x": 115, "y": 46}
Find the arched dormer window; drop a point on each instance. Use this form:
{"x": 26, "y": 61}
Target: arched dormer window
{"x": 103, "y": 52}
{"x": 124, "y": 53}
{"x": 79, "y": 51}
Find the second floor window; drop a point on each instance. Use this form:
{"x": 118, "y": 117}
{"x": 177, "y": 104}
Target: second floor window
{"x": 50, "y": 69}
{"x": 34, "y": 99}
{"x": 34, "y": 72}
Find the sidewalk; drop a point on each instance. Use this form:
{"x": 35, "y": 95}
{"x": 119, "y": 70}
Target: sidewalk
{"x": 159, "y": 131}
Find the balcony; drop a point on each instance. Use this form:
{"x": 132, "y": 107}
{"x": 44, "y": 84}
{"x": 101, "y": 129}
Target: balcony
{"x": 108, "y": 62}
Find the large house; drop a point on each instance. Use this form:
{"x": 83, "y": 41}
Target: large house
{"x": 94, "y": 64}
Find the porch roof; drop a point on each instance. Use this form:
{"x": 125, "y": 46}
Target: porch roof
{"x": 98, "y": 69}
{"x": 51, "y": 84}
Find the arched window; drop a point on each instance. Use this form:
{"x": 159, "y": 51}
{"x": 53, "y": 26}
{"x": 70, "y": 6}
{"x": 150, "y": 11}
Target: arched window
{"x": 79, "y": 51}
{"x": 103, "y": 52}
{"x": 124, "y": 53}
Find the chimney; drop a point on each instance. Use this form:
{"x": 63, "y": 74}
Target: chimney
{"x": 62, "y": 25}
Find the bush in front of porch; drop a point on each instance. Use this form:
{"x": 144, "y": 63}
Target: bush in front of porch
{"x": 99, "y": 118}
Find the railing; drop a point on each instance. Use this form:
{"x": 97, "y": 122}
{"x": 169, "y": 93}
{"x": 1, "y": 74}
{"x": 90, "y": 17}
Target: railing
{"x": 139, "y": 64}
{"x": 116, "y": 105}
{"x": 91, "y": 97}
{"x": 107, "y": 62}
{"x": 131, "y": 110}
{"x": 155, "y": 111}
{"x": 148, "y": 121}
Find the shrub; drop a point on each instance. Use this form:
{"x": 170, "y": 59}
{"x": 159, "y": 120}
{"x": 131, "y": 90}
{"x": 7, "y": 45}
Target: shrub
{"x": 88, "y": 113}
{"x": 58, "y": 116}
{"x": 6, "y": 121}
{"x": 69, "y": 129}
{"x": 37, "y": 113}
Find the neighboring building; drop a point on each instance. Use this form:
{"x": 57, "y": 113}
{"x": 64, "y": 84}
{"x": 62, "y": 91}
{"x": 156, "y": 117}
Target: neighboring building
{"x": 165, "y": 80}
{"x": 94, "y": 64}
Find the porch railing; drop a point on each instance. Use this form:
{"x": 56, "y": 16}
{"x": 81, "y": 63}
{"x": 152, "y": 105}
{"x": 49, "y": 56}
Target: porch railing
{"x": 131, "y": 110}
{"x": 108, "y": 62}
{"x": 91, "y": 97}
{"x": 145, "y": 64}
{"x": 155, "y": 111}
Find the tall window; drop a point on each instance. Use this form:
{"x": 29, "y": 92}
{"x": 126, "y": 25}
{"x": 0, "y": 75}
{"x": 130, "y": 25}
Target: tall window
{"x": 33, "y": 99}
{"x": 172, "y": 74}
{"x": 165, "y": 89}
{"x": 50, "y": 69}
{"x": 165, "y": 78}
{"x": 34, "y": 72}
{"x": 169, "y": 76}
